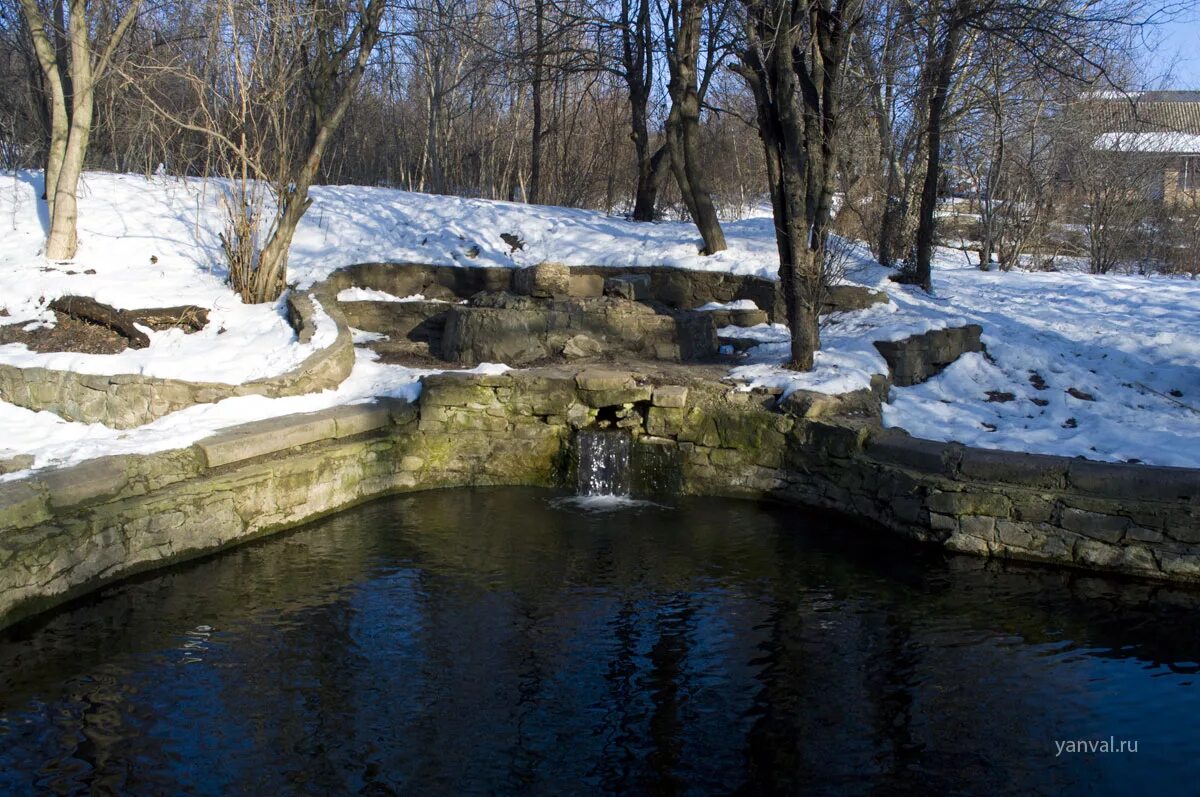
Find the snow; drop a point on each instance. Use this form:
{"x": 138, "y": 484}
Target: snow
{"x": 1130, "y": 343}
{"x": 56, "y": 442}
{"x": 1163, "y": 142}
{"x": 740, "y": 304}
{"x": 372, "y": 295}
{"x": 217, "y": 353}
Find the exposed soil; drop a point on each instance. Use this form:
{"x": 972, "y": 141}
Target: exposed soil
{"x": 77, "y": 335}
{"x": 69, "y": 334}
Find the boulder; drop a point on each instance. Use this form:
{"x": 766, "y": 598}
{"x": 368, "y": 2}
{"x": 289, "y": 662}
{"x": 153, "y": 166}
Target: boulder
{"x": 545, "y": 280}
{"x": 843, "y": 298}
{"x": 581, "y": 346}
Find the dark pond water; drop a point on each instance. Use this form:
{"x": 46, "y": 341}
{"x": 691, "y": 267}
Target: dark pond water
{"x": 495, "y": 641}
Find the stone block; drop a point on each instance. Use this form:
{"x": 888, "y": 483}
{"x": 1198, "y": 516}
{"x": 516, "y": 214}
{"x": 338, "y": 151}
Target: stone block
{"x": 1094, "y": 553}
{"x": 484, "y": 334}
{"x": 454, "y": 390}
{"x": 15, "y": 463}
{"x": 93, "y": 480}
{"x": 585, "y": 286}
{"x": 22, "y": 504}
{"x": 842, "y": 298}
{"x": 581, "y": 346}
{"x": 964, "y": 543}
{"x": 1018, "y": 535}
{"x": 1008, "y": 467}
{"x": 1143, "y": 534}
{"x": 670, "y": 396}
{"x": 632, "y": 287}
{"x": 664, "y": 421}
{"x": 896, "y": 447}
{"x": 352, "y": 419}
{"x": 1106, "y": 528}
{"x": 265, "y": 437}
{"x": 597, "y": 379}
{"x": 1185, "y": 529}
{"x": 1182, "y": 566}
{"x": 748, "y": 318}
{"x": 545, "y": 280}
{"x": 939, "y": 522}
{"x": 979, "y": 526}
{"x": 970, "y": 502}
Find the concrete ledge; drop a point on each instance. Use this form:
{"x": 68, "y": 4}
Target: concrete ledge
{"x": 69, "y": 530}
{"x": 1008, "y": 467}
{"x": 265, "y": 437}
{"x": 897, "y": 447}
{"x": 1134, "y": 481}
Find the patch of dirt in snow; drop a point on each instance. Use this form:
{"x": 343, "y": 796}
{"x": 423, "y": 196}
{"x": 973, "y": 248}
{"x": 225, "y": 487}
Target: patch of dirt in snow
{"x": 66, "y": 334}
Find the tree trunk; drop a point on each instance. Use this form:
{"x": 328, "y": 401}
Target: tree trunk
{"x": 70, "y": 68}
{"x": 533, "y": 192}
{"x": 683, "y": 127}
{"x": 63, "y": 241}
{"x": 269, "y": 277}
{"x": 933, "y": 141}
{"x": 650, "y": 174}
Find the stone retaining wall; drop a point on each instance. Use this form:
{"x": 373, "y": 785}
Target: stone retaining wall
{"x": 63, "y": 532}
{"x": 919, "y": 357}
{"x": 675, "y": 287}
{"x": 124, "y": 401}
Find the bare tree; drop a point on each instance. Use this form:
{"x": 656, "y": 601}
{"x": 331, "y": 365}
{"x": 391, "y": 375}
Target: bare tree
{"x": 795, "y": 61}
{"x": 635, "y": 24}
{"x": 1053, "y": 37}
{"x": 75, "y": 42}
{"x": 1116, "y": 190}
{"x": 270, "y": 101}
{"x": 683, "y": 36}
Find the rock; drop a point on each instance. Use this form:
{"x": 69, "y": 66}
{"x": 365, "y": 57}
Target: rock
{"x": 545, "y": 280}
{"x": 842, "y": 298}
{"x": 914, "y": 359}
{"x": 586, "y": 286}
{"x": 601, "y": 387}
{"x": 581, "y": 346}
{"x": 670, "y": 396}
{"x": 811, "y": 405}
{"x": 478, "y": 334}
{"x": 14, "y": 464}
{"x": 634, "y": 287}
{"x": 604, "y": 379}
{"x": 748, "y": 318}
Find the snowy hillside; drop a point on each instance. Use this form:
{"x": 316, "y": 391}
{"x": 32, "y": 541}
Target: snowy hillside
{"x": 1102, "y": 367}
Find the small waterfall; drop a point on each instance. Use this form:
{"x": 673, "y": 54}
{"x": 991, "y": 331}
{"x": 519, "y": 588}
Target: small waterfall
{"x": 604, "y": 462}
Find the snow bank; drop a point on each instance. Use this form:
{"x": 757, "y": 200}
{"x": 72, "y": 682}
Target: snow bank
{"x": 1129, "y": 344}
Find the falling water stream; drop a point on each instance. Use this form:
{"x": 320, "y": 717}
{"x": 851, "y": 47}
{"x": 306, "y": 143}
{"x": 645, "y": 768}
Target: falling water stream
{"x": 604, "y": 463}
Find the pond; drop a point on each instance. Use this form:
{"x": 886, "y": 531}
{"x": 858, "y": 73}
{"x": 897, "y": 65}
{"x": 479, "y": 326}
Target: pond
{"x": 515, "y": 641}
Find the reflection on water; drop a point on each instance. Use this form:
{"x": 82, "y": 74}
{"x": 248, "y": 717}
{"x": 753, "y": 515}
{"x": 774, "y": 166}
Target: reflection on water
{"x": 493, "y": 641}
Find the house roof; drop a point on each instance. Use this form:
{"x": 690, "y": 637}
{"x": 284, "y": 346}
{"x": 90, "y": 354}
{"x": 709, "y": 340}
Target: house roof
{"x": 1148, "y": 121}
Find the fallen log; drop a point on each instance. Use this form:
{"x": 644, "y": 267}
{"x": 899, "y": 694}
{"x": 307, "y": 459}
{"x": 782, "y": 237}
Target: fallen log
{"x": 188, "y": 317}
{"x": 83, "y": 308}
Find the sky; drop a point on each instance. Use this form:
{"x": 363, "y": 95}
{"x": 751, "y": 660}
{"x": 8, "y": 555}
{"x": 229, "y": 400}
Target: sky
{"x": 1181, "y": 40}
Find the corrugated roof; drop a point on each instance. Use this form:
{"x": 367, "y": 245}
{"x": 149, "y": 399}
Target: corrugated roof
{"x": 1149, "y": 111}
